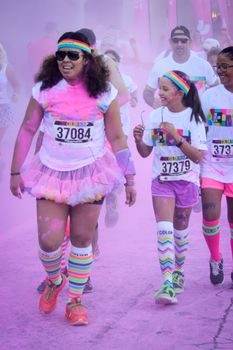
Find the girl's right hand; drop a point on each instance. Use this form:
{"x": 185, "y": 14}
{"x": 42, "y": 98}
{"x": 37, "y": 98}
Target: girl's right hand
{"x": 138, "y": 133}
{"x": 17, "y": 186}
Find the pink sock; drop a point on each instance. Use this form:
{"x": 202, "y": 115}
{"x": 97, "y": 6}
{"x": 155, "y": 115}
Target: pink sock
{"x": 211, "y": 231}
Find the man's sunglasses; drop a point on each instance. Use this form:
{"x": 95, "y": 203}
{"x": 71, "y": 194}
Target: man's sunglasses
{"x": 223, "y": 66}
{"x": 72, "y": 55}
{"x": 182, "y": 40}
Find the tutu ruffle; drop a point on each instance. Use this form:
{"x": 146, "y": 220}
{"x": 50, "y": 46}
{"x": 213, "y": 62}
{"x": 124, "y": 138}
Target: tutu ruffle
{"x": 85, "y": 185}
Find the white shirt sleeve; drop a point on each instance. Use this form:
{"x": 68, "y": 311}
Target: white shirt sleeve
{"x": 36, "y": 91}
{"x": 198, "y": 135}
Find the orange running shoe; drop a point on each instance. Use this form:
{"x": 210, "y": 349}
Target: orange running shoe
{"x": 48, "y": 300}
{"x": 76, "y": 313}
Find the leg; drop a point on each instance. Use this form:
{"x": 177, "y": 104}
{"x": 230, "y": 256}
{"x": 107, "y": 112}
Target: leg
{"x": 211, "y": 204}
{"x": 230, "y": 220}
{"x": 51, "y": 219}
{"x": 84, "y": 219}
{"x": 164, "y": 212}
{"x": 181, "y": 221}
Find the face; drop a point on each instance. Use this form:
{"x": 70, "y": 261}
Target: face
{"x": 180, "y": 45}
{"x": 71, "y": 67}
{"x": 168, "y": 92}
{"x": 225, "y": 71}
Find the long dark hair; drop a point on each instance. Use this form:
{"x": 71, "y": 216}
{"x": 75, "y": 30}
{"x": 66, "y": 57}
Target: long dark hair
{"x": 192, "y": 99}
{"x": 95, "y": 74}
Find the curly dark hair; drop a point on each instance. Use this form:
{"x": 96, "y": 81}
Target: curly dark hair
{"x": 95, "y": 74}
{"x": 192, "y": 99}
{"x": 228, "y": 51}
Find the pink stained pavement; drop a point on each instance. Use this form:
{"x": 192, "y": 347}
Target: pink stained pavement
{"x": 121, "y": 309}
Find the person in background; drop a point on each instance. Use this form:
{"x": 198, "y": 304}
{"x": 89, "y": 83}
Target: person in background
{"x": 7, "y": 79}
{"x": 176, "y": 134}
{"x": 217, "y": 164}
{"x": 182, "y": 59}
{"x": 112, "y": 213}
{"x": 73, "y": 170}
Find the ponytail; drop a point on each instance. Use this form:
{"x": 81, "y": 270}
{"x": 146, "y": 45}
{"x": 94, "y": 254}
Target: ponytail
{"x": 192, "y": 100}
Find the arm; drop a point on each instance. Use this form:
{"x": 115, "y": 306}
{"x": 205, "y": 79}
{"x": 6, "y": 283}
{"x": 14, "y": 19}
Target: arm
{"x": 134, "y": 98}
{"x": 148, "y": 95}
{"x": 13, "y": 80}
{"x": 142, "y": 148}
{"x": 39, "y": 141}
{"x": 119, "y": 146}
{"x": 190, "y": 151}
{"x": 117, "y": 82}
{"x": 28, "y": 129}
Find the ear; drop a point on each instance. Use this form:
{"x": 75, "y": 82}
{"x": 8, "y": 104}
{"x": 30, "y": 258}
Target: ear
{"x": 85, "y": 60}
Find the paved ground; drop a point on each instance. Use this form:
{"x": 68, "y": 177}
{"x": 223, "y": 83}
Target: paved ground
{"x": 122, "y": 312}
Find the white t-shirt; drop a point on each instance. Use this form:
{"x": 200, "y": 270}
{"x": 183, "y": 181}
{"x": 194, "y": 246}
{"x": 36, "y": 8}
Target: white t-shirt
{"x": 198, "y": 70}
{"x": 74, "y": 130}
{"x": 217, "y": 104}
{"x": 125, "y": 109}
{"x": 4, "y": 96}
{"x": 169, "y": 161}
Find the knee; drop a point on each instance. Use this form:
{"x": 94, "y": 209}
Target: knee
{"x": 181, "y": 221}
{"x": 48, "y": 243}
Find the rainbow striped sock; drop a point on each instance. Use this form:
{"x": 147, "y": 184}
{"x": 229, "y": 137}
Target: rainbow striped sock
{"x": 63, "y": 248}
{"x": 181, "y": 247}
{"x": 166, "y": 250}
{"x": 79, "y": 267}
{"x": 52, "y": 264}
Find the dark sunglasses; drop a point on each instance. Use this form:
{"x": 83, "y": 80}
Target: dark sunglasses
{"x": 223, "y": 66}
{"x": 72, "y": 55}
{"x": 182, "y": 40}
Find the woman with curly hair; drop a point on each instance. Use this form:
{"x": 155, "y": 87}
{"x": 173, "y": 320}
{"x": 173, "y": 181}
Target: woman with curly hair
{"x": 74, "y": 169}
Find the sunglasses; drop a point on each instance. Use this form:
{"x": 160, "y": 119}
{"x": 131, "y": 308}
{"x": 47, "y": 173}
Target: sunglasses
{"x": 183, "y": 40}
{"x": 223, "y": 66}
{"x": 72, "y": 55}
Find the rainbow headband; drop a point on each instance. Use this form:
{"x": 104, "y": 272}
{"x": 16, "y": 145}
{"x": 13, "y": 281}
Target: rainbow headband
{"x": 75, "y": 44}
{"x": 178, "y": 81}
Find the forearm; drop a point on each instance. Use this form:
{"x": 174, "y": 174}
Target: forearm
{"x": 22, "y": 147}
{"x": 149, "y": 98}
{"x": 143, "y": 149}
{"x": 191, "y": 152}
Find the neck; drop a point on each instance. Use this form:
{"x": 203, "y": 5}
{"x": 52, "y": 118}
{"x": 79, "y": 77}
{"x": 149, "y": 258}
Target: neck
{"x": 229, "y": 88}
{"x": 176, "y": 107}
{"x": 181, "y": 59}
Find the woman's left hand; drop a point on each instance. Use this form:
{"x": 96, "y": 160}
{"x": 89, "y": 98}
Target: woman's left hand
{"x": 131, "y": 194}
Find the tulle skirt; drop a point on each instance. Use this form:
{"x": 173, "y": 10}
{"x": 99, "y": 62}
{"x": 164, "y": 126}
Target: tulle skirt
{"x": 84, "y": 185}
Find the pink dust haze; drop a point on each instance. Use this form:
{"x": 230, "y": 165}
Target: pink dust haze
{"x": 122, "y": 311}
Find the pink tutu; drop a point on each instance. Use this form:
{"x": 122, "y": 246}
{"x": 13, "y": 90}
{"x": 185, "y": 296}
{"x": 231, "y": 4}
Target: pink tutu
{"x": 85, "y": 185}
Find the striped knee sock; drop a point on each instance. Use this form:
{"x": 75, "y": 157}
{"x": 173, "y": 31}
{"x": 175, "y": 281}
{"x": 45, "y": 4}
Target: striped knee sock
{"x": 79, "y": 267}
{"x": 181, "y": 247}
{"x": 211, "y": 231}
{"x": 63, "y": 248}
{"x": 166, "y": 249}
{"x": 52, "y": 265}
{"x": 231, "y": 229}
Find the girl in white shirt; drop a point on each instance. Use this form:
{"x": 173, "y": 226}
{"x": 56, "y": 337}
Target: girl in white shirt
{"x": 217, "y": 164}
{"x": 176, "y": 133}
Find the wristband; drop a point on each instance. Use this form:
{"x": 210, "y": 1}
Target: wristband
{"x": 14, "y": 174}
{"x": 125, "y": 161}
{"x": 179, "y": 144}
